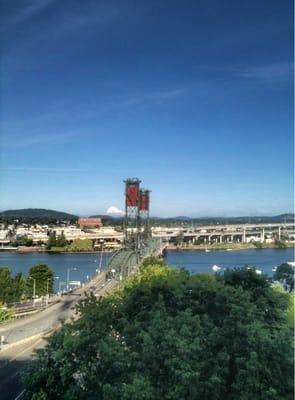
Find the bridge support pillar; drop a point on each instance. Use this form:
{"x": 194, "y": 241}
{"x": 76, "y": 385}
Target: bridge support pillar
{"x": 279, "y": 235}
{"x": 244, "y": 236}
{"x": 262, "y": 235}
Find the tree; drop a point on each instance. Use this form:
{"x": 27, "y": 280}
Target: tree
{"x": 285, "y": 275}
{"x": 11, "y": 288}
{"x": 43, "y": 277}
{"x": 179, "y": 239}
{"x": 51, "y": 240}
{"x": 61, "y": 240}
{"x": 5, "y": 314}
{"x": 171, "y": 335}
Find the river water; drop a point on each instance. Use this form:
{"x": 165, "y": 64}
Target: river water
{"x": 195, "y": 261}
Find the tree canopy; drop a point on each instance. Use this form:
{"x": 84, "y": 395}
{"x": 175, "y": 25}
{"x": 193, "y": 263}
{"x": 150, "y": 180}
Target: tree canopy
{"x": 285, "y": 275}
{"x": 170, "y": 335}
{"x": 11, "y": 287}
{"x": 43, "y": 276}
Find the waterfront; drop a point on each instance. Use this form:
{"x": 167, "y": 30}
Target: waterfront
{"x": 86, "y": 264}
{"x": 200, "y": 261}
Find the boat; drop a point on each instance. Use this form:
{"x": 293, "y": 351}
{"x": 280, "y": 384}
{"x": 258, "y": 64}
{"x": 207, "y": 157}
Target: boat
{"x": 274, "y": 269}
{"x": 207, "y": 250}
{"x": 228, "y": 249}
{"x": 258, "y": 271}
{"x": 216, "y": 268}
{"x": 292, "y": 263}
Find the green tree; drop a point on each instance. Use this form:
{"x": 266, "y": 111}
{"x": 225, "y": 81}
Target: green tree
{"x": 43, "y": 277}
{"x": 61, "y": 240}
{"x": 167, "y": 334}
{"x": 179, "y": 239}
{"x": 285, "y": 275}
{"x": 11, "y": 288}
{"x": 5, "y": 314}
{"x": 52, "y": 242}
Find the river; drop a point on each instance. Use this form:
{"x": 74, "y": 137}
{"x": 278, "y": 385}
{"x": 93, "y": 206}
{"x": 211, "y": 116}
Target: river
{"x": 86, "y": 264}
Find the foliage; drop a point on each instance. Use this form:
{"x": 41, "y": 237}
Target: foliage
{"x": 179, "y": 238}
{"x": 43, "y": 276}
{"x": 285, "y": 275}
{"x": 61, "y": 240}
{"x": 11, "y": 288}
{"x": 36, "y": 216}
{"x": 5, "y": 314}
{"x": 51, "y": 240}
{"x": 80, "y": 245}
{"x": 152, "y": 260}
{"x": 258, "y": 245}
{"x": 280, "y": 244}
{"x": 22, "y": 241}
{"x": 171, "y": 335}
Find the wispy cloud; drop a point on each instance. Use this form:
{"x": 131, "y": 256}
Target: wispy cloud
{"x": 41, "y": 169}
{"x": 17, "y": 141}
{"x": 270, "y": 72}
{"x": 157, "y": 97}
{"x": 29, "y": 9}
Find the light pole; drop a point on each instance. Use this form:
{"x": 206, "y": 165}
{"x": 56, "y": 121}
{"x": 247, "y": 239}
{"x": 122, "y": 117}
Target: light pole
{"x": 68, "y": 276}
{"x": 47, "y": 287}
{"x": 34, "y": 287}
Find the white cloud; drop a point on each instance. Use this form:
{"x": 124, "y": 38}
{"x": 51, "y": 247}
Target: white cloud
{"x": 113, "y": 210}
{"x": 269, "y": 72}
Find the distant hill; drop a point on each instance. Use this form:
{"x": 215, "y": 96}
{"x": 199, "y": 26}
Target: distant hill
{"x": 222, "y": 220}
{"x": 36, "y": 214}
{"x": 40, "y": 215}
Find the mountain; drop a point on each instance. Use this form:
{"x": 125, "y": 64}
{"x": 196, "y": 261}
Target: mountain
{"x": 36, "y": 214}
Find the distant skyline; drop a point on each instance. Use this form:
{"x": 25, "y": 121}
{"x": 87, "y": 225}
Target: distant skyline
{"x": 195, "y": 98}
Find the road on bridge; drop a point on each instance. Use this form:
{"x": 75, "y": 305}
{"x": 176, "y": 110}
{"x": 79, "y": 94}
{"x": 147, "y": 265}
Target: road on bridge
{"x": 27, "y": 335}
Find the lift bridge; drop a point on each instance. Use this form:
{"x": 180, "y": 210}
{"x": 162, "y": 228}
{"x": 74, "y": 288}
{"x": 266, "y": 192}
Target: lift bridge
{"x": 138, "y": 242}
{"x": 126, "y": 260}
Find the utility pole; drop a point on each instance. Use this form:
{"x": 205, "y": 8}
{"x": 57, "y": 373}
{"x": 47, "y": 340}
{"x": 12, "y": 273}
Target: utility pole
{"x": 47, "y": 287}
{"x": 34, "y": 288}
{"x": 68, "y": 276}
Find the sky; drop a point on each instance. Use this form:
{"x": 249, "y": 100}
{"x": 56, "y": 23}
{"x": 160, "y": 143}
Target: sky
{"x": 193, "y": 97}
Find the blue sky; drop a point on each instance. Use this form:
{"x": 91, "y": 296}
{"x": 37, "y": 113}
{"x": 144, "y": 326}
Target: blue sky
{"x": 194, "y": 97}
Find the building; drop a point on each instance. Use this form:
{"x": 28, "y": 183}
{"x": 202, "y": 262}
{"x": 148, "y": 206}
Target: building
{"x": 89, "y": 223}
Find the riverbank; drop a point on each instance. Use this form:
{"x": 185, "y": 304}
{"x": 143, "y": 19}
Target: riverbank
{"x": 227, "y": 246}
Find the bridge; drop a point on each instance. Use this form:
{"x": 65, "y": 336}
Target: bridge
{"x": 127, "y": 259}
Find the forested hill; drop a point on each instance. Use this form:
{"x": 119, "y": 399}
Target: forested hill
{"x": 38, "y": 215}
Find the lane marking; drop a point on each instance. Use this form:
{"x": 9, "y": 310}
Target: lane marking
{"x": 26, "y": 349}
{"x": 20, "y": 395}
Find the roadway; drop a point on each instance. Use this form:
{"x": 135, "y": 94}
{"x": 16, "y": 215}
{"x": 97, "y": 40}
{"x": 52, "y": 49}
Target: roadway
{"x": 26, "y": 335}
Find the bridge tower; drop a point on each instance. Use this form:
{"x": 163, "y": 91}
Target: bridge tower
{"x": 144, "y": 211}
{"x": 132, "y": 220}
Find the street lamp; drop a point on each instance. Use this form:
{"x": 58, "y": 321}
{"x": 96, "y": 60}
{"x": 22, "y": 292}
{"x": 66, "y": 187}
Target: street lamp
{"x": 47, "y": 287}
{"x": 34, "y": 287}
{"x": 57, "y": 277}
{"x": 68, "y": 276}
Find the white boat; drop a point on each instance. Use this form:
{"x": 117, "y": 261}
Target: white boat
{"x": 274, "y": 269}
{"x": 216, "y": 268}
{"x": 228, "y": 249}
{"x": 207, "y": 250}
{"x": 258, "y": 271}
{"x": 292, "y": 263}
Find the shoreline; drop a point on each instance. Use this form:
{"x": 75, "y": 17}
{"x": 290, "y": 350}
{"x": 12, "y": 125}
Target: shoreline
{"x": 227, "y": 247}
{"x": 170, "y": 247}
